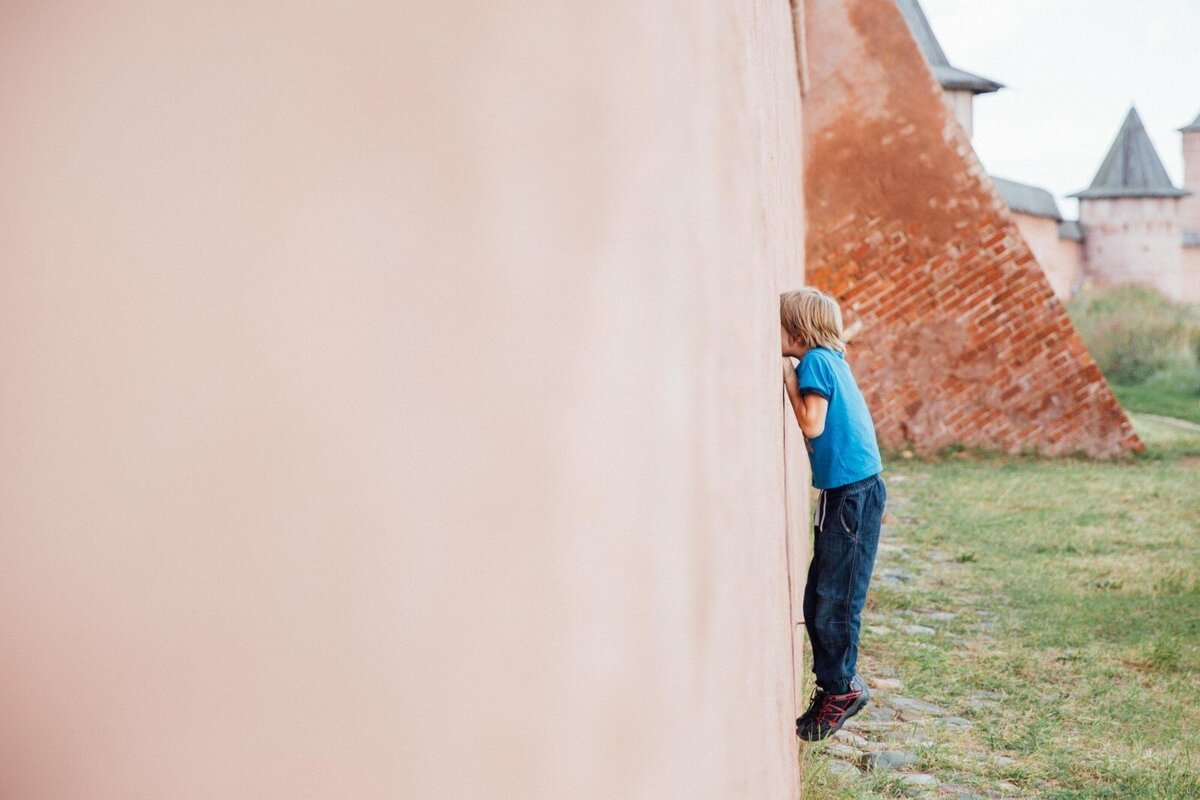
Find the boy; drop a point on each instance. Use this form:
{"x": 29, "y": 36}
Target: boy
{"x": 840, "y": 438}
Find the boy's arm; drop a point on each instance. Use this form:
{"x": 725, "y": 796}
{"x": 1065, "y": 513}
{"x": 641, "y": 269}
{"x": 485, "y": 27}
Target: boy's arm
{"x": 810, "y": 408}
{"x": 810, "y": 411}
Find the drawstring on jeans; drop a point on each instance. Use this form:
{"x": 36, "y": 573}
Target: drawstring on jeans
{"x": 821, "y": 509}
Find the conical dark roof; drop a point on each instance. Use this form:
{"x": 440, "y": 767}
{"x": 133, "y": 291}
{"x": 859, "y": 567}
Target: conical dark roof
{"x": 1132, "y": 167}
{"x": 950, "y": 77}
{"x": 1194, "y": 125}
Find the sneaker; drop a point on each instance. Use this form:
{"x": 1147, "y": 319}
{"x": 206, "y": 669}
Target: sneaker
{"x": 813, "y": 705}
{"x": 828, "y": 712}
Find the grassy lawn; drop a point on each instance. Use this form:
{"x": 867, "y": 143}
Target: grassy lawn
{"x": 1092, "y": 570}
{"x": 1154, "y": 399}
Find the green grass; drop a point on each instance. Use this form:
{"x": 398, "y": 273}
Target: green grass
{"x": 1153, "y": 398}
{"x": 1165, "y": 440}
{"x": 1135, "y": 332}
{"x": 1093, "y": 568}
{"x": 1147, "y": 347}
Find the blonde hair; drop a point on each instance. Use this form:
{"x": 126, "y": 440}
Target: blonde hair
{"x": 812, "y": 317}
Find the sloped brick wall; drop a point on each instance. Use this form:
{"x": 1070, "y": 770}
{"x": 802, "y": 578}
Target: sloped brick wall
{"x": 963, "y": 340}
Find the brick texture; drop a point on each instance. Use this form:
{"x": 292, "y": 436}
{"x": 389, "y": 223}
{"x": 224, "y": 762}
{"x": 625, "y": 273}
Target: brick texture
{"x": 963, "y": 341}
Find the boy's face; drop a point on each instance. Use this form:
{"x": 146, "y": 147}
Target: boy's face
{"x": 791, "y": 347}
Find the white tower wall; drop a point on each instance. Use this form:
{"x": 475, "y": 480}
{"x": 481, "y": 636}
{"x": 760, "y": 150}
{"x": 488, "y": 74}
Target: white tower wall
{"x": 1133, "y": 240}
{"x": 1189, "y": 208}
{"x": 961, "y": 102}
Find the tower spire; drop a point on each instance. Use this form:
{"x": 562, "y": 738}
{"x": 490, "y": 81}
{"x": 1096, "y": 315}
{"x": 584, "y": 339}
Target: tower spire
{"x": 1132, "y": 167}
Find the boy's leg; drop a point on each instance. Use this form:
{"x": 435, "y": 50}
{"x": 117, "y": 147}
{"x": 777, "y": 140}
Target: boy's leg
{"x": 867, "y": 513}
{"x": 810, "y": 606}
{"x": 828, "y": 595}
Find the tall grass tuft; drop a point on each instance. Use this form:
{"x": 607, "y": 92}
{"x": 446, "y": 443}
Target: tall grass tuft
{"x": 1137, "y": 336}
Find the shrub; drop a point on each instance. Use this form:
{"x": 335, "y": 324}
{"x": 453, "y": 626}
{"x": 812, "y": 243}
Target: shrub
{"x": 1134, "y": 332}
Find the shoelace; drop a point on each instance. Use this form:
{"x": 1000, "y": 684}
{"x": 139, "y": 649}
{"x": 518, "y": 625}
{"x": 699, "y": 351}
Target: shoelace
{"x": 812, "y": 702}
{"x": 816, "y": 700}
{"x": 830, "y": 710}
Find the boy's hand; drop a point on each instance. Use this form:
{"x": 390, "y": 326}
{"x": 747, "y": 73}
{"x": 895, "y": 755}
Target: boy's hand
{"x": 789, "y": 373}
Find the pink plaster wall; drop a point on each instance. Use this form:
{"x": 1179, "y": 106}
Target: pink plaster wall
{"x": 1069, "y": 254}
{"x": 1059, "y": 258}
{"x": 391, "y": 400}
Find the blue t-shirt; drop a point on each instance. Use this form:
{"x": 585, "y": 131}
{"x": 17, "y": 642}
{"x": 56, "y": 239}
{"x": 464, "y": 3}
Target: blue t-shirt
{"x": 846, "y": 451}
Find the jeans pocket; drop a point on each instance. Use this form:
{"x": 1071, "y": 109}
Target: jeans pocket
{"x": 849, "y": 512}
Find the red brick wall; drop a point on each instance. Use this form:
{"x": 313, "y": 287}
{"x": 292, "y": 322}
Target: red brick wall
{"x": 963, "y": 341}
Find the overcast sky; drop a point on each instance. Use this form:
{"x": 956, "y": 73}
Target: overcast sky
{"x": 1071, "y": 69}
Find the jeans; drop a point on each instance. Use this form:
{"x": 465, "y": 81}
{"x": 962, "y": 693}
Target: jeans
{"x": 846, "y": 536}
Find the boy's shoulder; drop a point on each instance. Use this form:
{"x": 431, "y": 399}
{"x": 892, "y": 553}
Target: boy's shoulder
{"x": 822, "y": 354}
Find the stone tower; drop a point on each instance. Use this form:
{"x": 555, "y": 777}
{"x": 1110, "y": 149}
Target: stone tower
{"x": 1189, "y": 208}
{"x": 959, "y": 87}
{"x": 1189, "y": 211}
{"x": 1130, "y": 216}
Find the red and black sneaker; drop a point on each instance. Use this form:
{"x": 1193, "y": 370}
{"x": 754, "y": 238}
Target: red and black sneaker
{"x": 828, "y": 712}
